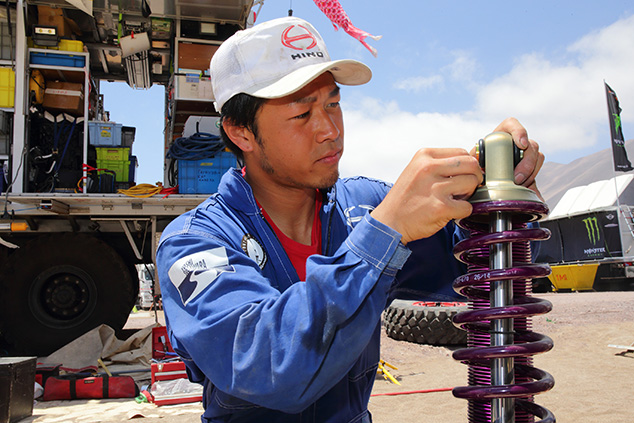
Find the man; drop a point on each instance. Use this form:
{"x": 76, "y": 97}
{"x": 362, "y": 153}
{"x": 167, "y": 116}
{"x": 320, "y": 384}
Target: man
{"x": 274, "y": 287}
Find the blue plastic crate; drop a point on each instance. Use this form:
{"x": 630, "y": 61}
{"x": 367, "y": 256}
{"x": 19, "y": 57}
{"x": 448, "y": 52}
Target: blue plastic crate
{"x": 56, "y": 59}
{"x": 104, "y": 133}
{"x": 203, "y": 176}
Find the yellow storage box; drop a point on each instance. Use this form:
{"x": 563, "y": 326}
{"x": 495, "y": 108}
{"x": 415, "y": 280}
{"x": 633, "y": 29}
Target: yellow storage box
{"x": 7, "y": 87}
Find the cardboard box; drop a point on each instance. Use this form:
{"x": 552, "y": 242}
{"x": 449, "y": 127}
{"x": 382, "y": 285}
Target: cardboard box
{"x": 17, "y": 381}
{"x": 195, "y": 55}
{"x": 65, "y": 97}
{"x": 192, "y": 86}
{"x": 51, "y": 16}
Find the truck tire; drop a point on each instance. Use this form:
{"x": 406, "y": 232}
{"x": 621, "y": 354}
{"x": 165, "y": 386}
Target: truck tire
{"x": 60, "y": 286}
{"x": 424, "y": 323}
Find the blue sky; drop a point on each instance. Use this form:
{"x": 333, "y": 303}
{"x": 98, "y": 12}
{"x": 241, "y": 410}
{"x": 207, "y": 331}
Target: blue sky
{"x": 447, "y": 73}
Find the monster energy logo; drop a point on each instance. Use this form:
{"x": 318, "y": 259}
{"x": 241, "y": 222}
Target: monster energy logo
{"x": 617, "y": 122}
{"x": 592, "y": 226}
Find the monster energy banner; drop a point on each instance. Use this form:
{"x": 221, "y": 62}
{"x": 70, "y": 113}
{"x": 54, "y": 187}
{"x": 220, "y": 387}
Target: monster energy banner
{"x": 621, "y": 163}
{"x": 591, "y": 236}
{"x": 551, "y": 250}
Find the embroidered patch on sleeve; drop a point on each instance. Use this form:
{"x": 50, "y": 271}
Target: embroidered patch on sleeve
{"x": 193, "y": 273}
{"x": 355, "y": 214}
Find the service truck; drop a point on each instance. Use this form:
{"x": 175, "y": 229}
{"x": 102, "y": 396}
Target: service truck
{"x": 69, "y": 242}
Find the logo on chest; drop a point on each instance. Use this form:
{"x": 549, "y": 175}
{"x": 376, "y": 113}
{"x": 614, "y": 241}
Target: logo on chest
{"x": 254, "y": 250}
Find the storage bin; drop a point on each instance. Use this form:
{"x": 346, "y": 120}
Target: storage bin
{"x": 127, "y": 135}
{"x": 57, "y": 59}
{"x": 133, "y": 165}
{"x": 120, "y": 167}
{"x": 104, "y": 133}
{"x": 7, "y": 44}
{"x": 17, "y": 381}
{"x": 113, "y": 153}
{"x": 203, "y": 176}
{"x": 7, "y": 87}
{"x": 71, "y": 45}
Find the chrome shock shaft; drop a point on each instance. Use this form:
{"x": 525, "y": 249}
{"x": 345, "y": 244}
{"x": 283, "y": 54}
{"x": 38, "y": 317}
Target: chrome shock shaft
{"x": 502, "y": 380}
{"x": 502, "y": 330}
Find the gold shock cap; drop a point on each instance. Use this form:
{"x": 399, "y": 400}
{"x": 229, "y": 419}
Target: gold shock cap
{"x": 499, "y": 170}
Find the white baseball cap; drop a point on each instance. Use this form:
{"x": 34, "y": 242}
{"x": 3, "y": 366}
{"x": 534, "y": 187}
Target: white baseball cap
{"x": 274, "y": 59}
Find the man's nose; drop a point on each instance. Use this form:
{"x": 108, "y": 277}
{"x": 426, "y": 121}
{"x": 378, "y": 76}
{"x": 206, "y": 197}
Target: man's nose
{"x": 327, "y": 128}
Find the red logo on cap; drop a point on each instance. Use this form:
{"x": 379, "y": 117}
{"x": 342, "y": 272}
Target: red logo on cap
{"x": 288, "y": 40}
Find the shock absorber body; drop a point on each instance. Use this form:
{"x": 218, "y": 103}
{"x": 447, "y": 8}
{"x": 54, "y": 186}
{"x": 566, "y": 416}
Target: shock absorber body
{"x": 500, "y": 346}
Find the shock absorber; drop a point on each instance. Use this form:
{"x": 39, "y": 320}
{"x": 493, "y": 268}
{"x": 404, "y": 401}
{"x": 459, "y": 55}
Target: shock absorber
{"x": 500, "y": 343}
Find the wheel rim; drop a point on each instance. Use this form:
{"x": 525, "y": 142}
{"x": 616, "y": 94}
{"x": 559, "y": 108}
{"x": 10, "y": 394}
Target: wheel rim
{"x": 63, "y": 297}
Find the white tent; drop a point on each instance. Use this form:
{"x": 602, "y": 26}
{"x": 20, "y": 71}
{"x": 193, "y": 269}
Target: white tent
{"x": 595, "y": 196}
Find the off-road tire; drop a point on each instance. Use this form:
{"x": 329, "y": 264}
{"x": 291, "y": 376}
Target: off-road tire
{"x": 424, "y": 324}
{"x": 58, "y": 287}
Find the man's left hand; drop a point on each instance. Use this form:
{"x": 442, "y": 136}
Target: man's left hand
{"x": 528, "y": 168}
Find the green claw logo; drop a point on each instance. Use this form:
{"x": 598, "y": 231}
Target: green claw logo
{"x": 592, "y": 226}
{"x": 617, "y": 122}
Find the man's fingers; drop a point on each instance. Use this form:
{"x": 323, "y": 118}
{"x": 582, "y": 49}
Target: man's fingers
{"x": 529, "y": 166}
{"x": 517, "y": 131}
{"x": 460, "y": 187}
{"x": 442, "y": 153}
{"x": 460, "y": 165}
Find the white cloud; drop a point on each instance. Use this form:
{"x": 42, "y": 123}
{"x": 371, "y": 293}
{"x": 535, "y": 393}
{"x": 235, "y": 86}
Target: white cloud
{"x": 419, "y": 83}
{"x": 384, "y": 138}
{"x": 564, "y": 105}
{"x": 463, "y": 67}
{"x": 560, "y": 100}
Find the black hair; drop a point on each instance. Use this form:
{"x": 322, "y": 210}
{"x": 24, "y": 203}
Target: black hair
{"x": 240, "y": 110}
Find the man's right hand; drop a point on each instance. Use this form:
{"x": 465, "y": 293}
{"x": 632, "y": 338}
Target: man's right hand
{"x": 432, "y": 190}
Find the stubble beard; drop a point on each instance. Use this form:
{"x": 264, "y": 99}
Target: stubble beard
{"x": 325, "y": 183}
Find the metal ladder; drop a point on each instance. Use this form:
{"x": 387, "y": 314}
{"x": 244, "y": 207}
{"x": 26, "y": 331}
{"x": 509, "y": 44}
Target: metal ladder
{"x": 629, "y": 218}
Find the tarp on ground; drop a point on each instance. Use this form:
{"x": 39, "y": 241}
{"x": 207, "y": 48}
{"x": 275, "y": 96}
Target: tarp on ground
{"x": 83, "y": 353}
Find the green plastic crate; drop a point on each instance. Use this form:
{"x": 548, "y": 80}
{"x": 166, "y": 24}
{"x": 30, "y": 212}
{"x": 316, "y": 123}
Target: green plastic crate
{"x": 113, "y": 153}
{"x": 120, "y": 167}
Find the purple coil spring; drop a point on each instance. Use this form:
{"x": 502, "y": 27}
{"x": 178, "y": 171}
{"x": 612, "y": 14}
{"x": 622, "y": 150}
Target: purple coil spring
{"x": 478, "y": 320}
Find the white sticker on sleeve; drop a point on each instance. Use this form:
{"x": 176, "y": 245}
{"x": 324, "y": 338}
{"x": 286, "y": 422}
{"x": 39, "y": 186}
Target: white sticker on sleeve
{"x": 193, "y": 273}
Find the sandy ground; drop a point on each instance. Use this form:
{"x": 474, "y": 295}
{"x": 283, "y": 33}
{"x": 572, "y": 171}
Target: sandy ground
{"x": 593, "y": 382}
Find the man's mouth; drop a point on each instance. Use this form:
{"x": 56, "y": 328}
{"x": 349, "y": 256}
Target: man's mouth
{"x": 330, "y": 157}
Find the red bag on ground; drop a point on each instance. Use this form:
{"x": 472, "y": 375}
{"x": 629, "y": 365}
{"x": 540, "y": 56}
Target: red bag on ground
{"x": 76, "y": 387}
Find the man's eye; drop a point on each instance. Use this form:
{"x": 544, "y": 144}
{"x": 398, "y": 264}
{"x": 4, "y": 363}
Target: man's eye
{"x": 335, "y": 104}
{"x": 302, "y": 116}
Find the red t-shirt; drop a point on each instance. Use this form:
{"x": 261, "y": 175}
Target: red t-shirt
{"x": 298, "y": 253}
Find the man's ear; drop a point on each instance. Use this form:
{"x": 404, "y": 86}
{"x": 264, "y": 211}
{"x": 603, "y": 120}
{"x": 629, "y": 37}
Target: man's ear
{"x": 240, "y": 135}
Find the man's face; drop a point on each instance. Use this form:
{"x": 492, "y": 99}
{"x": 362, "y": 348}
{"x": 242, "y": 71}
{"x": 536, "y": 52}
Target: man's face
{"x": 300, "y": 137}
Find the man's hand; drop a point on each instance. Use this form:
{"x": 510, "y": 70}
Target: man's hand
{"x": 432, "y": 190}
{"x": 435, "y": 186}
{"x": 527, "y": 169}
